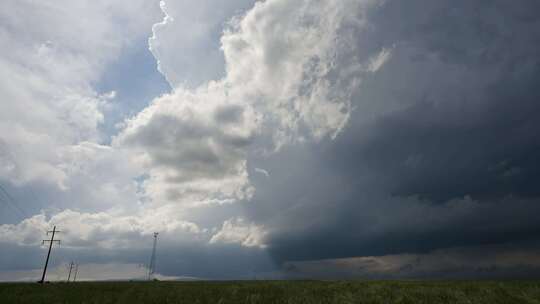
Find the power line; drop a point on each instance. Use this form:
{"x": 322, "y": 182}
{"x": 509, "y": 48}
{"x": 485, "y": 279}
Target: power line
{"x": 13, "y": 203}
{"x": 51, "y": 241}
{"x": 14, "y": 206}
{"x": 8, "y": 153}
{"x": 8, "y": 205}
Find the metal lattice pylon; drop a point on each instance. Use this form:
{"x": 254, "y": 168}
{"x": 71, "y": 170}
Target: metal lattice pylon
{"x": 152, "y": 266}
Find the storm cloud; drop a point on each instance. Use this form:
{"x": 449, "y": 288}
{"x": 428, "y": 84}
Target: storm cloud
{"x": 355, "y": 138}
{"x": 441, "y": 149}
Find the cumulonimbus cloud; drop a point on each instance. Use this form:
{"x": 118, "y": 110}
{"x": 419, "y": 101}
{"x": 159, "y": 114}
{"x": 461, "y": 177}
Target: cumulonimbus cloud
{"x": 384, "y": 124}
{"x": 289, "y": 78}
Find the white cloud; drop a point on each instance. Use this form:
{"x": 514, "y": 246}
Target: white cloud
{"x": 100, "y": 230}
{"x": 290, "y": 72}
{"x": 57, "y": 51}
{"x": 287, "y": 58}
{"x": 186, "y": 42}
{"x": 379, "y": 60}
{"x": 262, "y": 171}
{"x": 239, "y": 231}
{"x": 193, "y": 145}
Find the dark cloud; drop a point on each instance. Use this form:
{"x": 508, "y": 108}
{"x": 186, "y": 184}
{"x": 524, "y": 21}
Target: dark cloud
{"x": 517, "y": 260}
{"x": 441, "y": 151}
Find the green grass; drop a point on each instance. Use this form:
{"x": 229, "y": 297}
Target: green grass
{"x": 477, "y": 292}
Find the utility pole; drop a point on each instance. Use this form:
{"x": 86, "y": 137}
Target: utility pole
{"x": 152, "y": 267}
{"x": 76, "y": 271}
{"x": 51, "y": 241}
{"x": 70, "y": 268}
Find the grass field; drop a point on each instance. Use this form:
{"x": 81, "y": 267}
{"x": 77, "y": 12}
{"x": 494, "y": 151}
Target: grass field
{"x": 276, "y": 292}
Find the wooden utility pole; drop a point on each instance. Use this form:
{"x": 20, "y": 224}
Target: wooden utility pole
{"x": 51, "y": 241}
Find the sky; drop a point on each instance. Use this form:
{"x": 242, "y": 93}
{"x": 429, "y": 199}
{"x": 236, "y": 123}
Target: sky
{"x": 276, "y": 139}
